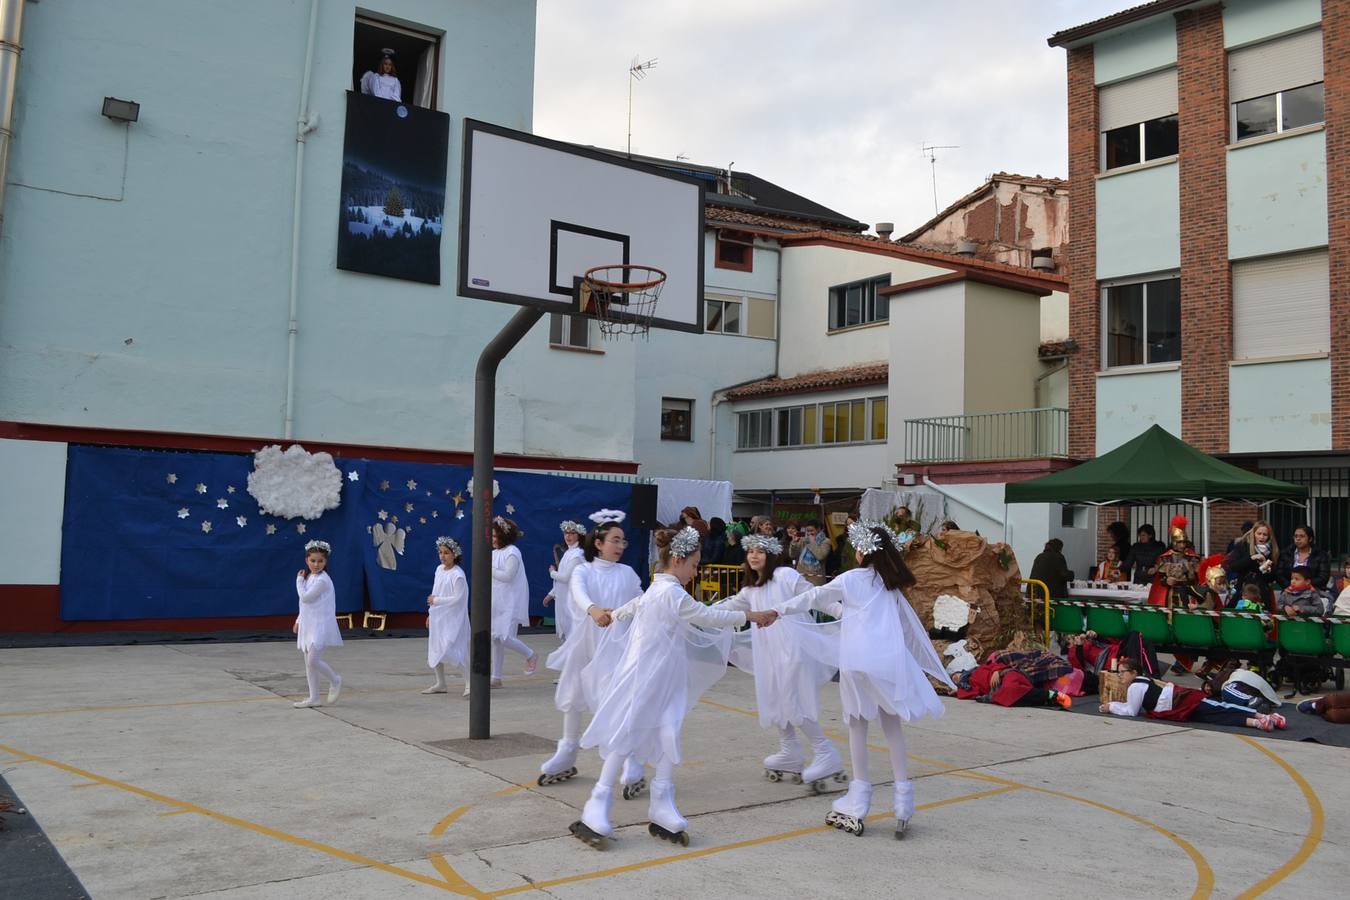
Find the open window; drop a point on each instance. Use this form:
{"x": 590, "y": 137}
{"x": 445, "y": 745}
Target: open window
{"x": 735, "y": 250}
{"x": 415, "y": 61}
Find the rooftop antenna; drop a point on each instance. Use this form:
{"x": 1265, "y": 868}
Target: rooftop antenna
{"x": 636, "y": 72}
{"x": 930, "y": 151}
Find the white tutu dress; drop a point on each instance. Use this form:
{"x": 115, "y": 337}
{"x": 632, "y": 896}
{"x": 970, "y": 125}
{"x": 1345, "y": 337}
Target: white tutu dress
{"x": 884, "y": 651}
{"x": 597, "y": 583}
{"x": 318, "y": 613}
{"x": 648, "y": 679}
{"x": 448, "y": 641}
{"x": 564, "y": 616}
{"x": 790, "y": 659}
{"x": 510, "y": 593}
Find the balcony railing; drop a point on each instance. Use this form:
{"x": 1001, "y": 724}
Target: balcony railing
{"x": 1014, "y": 434}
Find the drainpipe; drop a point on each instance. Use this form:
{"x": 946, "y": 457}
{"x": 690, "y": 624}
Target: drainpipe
{"x": 11, "y": 32}
{"x": 305, "y": 123}
{"x": 719, "y": 395}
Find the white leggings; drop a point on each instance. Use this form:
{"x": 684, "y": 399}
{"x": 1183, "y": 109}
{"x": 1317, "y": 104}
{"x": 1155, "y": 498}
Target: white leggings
{"x": 809, "y": 727}
{"x": 316, "y": 668}
{"x": 895, "y": 741}
{"x": 609, "y": 772}
{"x": 512, "y": 643}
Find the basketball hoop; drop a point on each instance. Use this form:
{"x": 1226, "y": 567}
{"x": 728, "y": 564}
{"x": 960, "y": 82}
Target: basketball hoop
{"x": 622, "y": 298}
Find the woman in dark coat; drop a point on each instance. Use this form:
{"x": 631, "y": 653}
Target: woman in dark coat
{"x": 1051, "y": 567}
{"x": 1305, "y": 552}
{"x": 1255, "y": 560}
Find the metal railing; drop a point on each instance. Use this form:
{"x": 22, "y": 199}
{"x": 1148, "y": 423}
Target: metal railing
{"x": 1013, "y": 434}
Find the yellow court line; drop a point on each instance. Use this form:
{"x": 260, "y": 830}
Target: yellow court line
{"x": 242, "y": 823}
{"x": 439, "y": 828}
{"x": 442, "y": 865}
{"x": 723, "y": 848}
{"x": 1310, "y": 840}
{"x": 515, "y": 787}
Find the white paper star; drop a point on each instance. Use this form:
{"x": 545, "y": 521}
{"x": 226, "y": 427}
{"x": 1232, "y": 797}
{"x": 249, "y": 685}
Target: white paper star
{"x": 206, "y": 527}
{"x": 271, "y": 529}
{"x": 200, "y": 488}
{"x": 222, "y": 503}
{"x": 412, "y": 485}
{"x": 240, "y": 521}
{"x": 300, "y": 529}
{"x": 434, "y": 514}
{"x": 183, "y": 512}
{"x": 229, "y": 489}
{"x": 384, "y": 485}
{"x": 428, "y": 493}
{"x": 353, "y": 475}
{"x": 407, "y": 507}
{"x": 171, "y": 478}
{"x": 422, "y": 519}
{"x": 383, "y": 515}
{"x": 459, "y": 514}
{"x": 510, "y": 510}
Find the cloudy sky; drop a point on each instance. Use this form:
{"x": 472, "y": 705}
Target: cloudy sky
{"x": 832, "y": 99}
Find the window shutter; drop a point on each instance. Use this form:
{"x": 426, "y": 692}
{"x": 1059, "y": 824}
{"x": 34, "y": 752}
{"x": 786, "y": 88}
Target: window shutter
{"x": 1138, "y": 100}
{"x": 759, "y": 316}
{"x": 1282, "y": 306}
{"x": 1288, "y": 62}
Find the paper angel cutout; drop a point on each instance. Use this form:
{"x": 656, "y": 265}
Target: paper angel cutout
{"x": 388, "y": 541}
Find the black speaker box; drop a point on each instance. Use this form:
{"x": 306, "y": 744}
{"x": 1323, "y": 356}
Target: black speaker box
{"x": 642, "y": 507}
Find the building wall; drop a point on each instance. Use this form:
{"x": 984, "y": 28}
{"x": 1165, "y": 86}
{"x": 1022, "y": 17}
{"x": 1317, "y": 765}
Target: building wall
{"x": 1084, "y": 307}
{"x": 1007, "y": 222}
{"x": 1280, "y": 405}
{"x": 32, "y": 494}
{"x": 1002, "y": 331}
{"x": 1128, "y": 403}
{"x": 1055, "y": 316}
{"x": 1336, "y": 62}
{"x": 1277, "y": 195}
{"x": 1249, "y": 21}
{"x": 808, "y": 274}
{"x": 1140, "y": 210}
{"x": 1144, "y": 48}
{"x": 168, "y": 311}
{"x": 928, "y": 367}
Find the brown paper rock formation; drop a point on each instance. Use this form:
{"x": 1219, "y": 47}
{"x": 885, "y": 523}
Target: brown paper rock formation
{"x": 984, "y": 575}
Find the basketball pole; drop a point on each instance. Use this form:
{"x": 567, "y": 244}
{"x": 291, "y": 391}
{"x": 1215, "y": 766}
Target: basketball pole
{"x": 484, "y": 453}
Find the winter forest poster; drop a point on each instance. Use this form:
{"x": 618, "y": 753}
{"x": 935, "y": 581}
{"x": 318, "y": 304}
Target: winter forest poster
{"x": 393, "y": 189}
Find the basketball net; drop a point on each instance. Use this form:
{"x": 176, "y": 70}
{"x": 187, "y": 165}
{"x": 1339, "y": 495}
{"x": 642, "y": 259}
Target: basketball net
{"x": 622, "y": 298}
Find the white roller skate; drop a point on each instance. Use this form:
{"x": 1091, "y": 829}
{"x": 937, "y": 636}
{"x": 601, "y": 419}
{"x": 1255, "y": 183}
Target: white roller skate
{"x": 561, "y": 765}
{"x": 786, "y": 764}
{"x": 593, "y": 828}
{"x": 826, "y": 766}
{"x": 666, "y": 822}
{"x": 848, "y": 812}
{"x": 904, "y": 807}
{"x": 634, "y": 778}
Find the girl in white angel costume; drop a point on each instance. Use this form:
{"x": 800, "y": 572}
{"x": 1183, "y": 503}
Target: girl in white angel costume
{"x": 510, "y": 598}
{"x": 884, "y": 656}
{"x": 664, "y": 664}
{"x": 316, "y": 625}
{"x": 598, "y": 585}
{"x": 448, "y": 617}
{"x": 573, "y": 534}
{"x": 789, "y": 665}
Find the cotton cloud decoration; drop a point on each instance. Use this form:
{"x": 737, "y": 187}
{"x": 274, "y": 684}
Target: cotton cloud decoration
{"x": 950, "y": 612}
{"x": 294, "y": 483}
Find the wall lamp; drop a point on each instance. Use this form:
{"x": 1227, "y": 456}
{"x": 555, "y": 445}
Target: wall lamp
{"x": 121, "y": 110}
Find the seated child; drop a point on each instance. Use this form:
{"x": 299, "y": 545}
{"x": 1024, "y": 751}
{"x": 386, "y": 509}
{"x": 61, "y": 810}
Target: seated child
{"x": 1250, "y": 601}
{"x": 1301, "y": 598}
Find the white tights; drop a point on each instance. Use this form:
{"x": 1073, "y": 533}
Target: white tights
{"x": 895, "y": 741}
{"x": 809, "y": 727}
{"x": 609, "y": 772}
{"x": 572, "y": 725}
{"x": 316, "y": 668}
{"x": 512, "y": 643}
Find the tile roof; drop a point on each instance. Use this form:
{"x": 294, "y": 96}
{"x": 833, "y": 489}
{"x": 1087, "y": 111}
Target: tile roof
{"x": 724, "y": 214}
{"x": 1057, "y": 349}
{"x": 809, "y": 382}
{"x": 1070, "y": 37}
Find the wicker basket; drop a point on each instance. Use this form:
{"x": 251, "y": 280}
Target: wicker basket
{"x": 1111, "y": 687}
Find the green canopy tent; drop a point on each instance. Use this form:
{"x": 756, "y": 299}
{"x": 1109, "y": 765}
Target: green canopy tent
{"x": 1155, "y": 467}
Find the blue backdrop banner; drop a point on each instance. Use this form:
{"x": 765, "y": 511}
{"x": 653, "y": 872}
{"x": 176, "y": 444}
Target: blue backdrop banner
{"x": 155, "y": 534}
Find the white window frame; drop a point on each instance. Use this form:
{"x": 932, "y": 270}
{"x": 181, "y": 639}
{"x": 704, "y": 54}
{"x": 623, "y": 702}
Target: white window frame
{"x": 1279, "y": 116}
{"x": 721, "y": 329}
{"x": 1104, "y": 308}
{"x": 765, "y": 435}
{"x": 1143, "y": 147}
{"x": 871, "y": 288}
{"x": 569, "y": 321}
{"x": 776, "y": 440}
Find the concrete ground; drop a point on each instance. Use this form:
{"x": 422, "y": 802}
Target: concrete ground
{"x": 182, "y": 770}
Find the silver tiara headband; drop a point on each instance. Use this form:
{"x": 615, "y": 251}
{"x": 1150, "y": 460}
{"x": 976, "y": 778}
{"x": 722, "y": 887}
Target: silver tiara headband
{"x": 602, "y": 516}
{"x": 450, "y": 544}
{"x": 685, "y": 542}
{"x": 318, "y": 545}
{"x": 573, "y": 527}
{"x": 865, "y": 540}
{"x": 763, "y": 542}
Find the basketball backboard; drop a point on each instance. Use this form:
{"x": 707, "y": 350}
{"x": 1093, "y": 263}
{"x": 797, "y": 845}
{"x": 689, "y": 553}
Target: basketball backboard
{"x": 536, "y": 214}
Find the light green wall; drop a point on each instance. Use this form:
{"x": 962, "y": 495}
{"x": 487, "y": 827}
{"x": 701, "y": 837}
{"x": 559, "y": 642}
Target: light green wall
{"x": 1279, "y": 406}
{"x": 1149, "y": 47}
{"x": 32, "y": 495}
{"x": 1250, "y": 21}
{"x": 1003, "y": 330}
{"x": 1277, "y": 196}
{"x": 1127, "y": 404}
{"x": 1138, "y": 222}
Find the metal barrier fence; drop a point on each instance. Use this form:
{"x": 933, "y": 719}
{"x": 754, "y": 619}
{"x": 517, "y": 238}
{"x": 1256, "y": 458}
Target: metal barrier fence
{"x": 1014, "y": 434}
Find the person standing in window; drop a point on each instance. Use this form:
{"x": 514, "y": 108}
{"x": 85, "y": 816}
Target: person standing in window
{"x": 383, "y": 80}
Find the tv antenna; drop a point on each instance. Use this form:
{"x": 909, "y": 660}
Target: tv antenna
{"x": 930, "y": 151}
{"x": 636, "y": 72}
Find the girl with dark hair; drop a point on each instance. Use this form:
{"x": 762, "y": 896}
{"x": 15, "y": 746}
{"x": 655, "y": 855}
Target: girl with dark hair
{"x": 648, "y": 681}
{"x": 597, "y": 586}
{"x": 382, "y": 81}
{"x": 510, "y": 598}
{"x": 448, "y": 616}
{"x": 574, "y": 534}
{"x": 884, "y": 656}
{"x": 788, "y": 676}
{"x": 1305, "y": 552}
